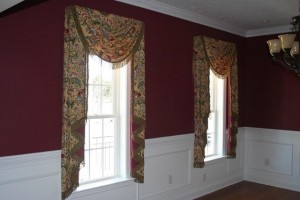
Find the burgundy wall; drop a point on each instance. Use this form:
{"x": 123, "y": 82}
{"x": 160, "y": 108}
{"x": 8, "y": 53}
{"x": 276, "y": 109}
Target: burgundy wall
{"x": 32, "y": 66}
{"x": 273, "y": 95}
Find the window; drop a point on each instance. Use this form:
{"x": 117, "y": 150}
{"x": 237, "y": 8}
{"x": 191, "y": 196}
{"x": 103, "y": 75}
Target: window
{"x": 216, "y": 120}
{"x": 106, "y": 127}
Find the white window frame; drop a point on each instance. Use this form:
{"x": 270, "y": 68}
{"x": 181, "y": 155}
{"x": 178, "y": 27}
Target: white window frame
{"x": 218, "y": 108}
{"x": 121, "y": 89}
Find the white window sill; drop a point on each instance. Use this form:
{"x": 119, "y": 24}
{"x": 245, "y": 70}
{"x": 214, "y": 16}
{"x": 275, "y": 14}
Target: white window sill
{"x": 101, "y": 186}
{"x": 214, "y": 159}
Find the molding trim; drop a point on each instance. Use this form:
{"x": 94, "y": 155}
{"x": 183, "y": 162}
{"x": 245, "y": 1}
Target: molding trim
{"x": 169, "y": 144}
{"x": 268, "y": 31}
{"x": 200, "y": 19}
{"x": 264, "y": 132}
{"x": 29, "y": 166}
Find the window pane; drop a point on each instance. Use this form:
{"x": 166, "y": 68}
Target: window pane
{"x": 87, "y": 135}
{"x": 107, "y": 75}
{"x": 94, "y": 100}
{"x": 210, "y": 147}
{"x": 96, "y": 136}
{"x": 107, "y": 100}
{"x": 212, "y": 78}
{"x": 109, "y": 127}
{"x": 96, "y": 161}
{"x": 108, "y": 145}
{"x": 100, "y": 158}
{"x": 94, "y": 70}
{"x": 107, "y": 88}
{"x": 211, "y": 123}
{"x": 84, "y": 171}
{"x": 109, "y": 160}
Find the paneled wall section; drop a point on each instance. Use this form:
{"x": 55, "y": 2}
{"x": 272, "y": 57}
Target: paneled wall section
{"x": 265, "y": 156}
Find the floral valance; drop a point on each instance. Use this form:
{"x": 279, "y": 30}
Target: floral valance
{"x": 111, "y": 37}
{"x": 220, "y": 55}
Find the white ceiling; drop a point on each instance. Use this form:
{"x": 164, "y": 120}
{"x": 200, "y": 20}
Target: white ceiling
{"x": 242, "y": 17}
{"x": 5, "y": 4}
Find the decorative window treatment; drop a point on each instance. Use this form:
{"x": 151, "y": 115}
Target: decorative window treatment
{"x": 221, "y": 57}
{"x": 114, "y": 39}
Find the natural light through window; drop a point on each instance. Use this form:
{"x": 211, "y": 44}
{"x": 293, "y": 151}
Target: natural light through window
{"x": 106, "y": 126}
{"x": 216, "y": 123}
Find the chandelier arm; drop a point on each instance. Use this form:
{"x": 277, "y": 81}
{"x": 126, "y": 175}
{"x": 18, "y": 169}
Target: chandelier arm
{"x": 289, "y": 61}
{"x": 286, "y": 66}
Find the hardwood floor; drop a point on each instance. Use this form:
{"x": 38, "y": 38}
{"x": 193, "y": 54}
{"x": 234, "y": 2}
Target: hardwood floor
{"x": 252, "y": 191}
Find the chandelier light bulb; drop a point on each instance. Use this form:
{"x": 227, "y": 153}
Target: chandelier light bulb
{"x": 287, "y": 41}
{"x": 274, "y": 46}
{"x": 295, "y": 49}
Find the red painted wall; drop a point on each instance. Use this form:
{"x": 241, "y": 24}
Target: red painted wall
{"x": 32, "y": 67}
{"x": 272, "y": 94}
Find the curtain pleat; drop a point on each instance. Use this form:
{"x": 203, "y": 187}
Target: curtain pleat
{"x": 220, "y": 56}
{"x": 114, "y": 39}
{"x": 201, "y": 101}
{"x": 233, "y": 112}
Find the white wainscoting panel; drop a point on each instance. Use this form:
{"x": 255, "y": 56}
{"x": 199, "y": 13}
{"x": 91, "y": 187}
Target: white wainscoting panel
{"x": 169, "y": 174}
{"x": 167, "y": 165}
{"x": 272, "y": 157}
{"x": 264, "y": 156}
{"x": 237, "y": 164}
{"x": 30, "y": 176}
{"x": 217, "y": 173}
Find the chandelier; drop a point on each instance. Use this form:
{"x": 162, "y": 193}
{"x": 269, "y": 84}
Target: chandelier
{"x": 289, "y": 43}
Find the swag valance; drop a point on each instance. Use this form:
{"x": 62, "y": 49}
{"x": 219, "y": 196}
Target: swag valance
{"x": 220, "y": 56}
{"x": 114, "y": 39}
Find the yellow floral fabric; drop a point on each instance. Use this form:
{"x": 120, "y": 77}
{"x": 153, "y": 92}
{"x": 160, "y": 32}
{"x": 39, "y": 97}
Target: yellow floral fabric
{"x": 233, "y": 110}
{"x": 138, "y": 114}
{"x": 110, "y": 37}
{"x": 117, "y": 40}
{"x": 220, "y": 56}
{"x": 201, "y": 101}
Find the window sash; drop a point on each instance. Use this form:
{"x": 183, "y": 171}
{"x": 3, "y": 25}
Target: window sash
{"x": 115, "y": 116}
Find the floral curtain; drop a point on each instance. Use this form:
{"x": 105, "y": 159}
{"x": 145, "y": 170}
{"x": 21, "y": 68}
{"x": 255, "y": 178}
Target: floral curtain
{"x": 114, "y": 39}
{"x": 220, "y": 56}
